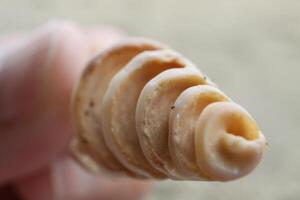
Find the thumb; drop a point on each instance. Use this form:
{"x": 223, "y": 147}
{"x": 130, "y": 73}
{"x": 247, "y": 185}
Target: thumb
{"x": 36, "y": 77}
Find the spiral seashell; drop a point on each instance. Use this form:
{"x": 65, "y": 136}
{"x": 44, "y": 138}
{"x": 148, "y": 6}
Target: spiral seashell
{"x": 143, "y": 110}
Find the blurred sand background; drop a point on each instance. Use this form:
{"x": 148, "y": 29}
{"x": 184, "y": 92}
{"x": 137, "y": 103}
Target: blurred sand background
{"x": 251, "y": 49}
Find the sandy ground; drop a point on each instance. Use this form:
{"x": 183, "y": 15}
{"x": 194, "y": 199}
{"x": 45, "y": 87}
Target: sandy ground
{"x": 250, "y": 48}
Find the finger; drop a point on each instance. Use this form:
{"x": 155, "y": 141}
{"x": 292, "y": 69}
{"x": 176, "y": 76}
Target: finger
{"x": 102, "y": 37}
{"x": 36, "y": 79}
{"x": 9, "y": 192}
{"x": 8, "y": 40}
{"x": 66, "y": 180}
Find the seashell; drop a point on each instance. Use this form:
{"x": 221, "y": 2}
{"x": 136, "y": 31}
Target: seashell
{"x": 144, "y": 110}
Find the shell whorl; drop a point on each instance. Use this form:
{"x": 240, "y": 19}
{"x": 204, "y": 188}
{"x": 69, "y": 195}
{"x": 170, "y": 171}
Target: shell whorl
{"x": 144, "y": 110}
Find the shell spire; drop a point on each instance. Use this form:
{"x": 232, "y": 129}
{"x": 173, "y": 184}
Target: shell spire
{"x": 144, "y": 110}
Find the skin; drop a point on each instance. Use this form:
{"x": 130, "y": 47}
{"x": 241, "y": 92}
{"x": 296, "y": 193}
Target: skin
{"x": 37, "y": 75}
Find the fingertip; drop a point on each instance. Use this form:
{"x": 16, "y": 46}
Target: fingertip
{"x": 37, "y": 76}
{"x": 53, "y": 54}
{"x": 101, "y": 37}
{"x": 66, "y": 57}
{"x": 36, "y": 80}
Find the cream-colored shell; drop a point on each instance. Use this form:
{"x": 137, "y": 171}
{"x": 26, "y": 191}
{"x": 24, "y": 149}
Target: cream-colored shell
{"x": 144, "y": 110}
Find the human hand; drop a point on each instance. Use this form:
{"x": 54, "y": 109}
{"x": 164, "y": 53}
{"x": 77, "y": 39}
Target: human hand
{"x": 37, "y": 74}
